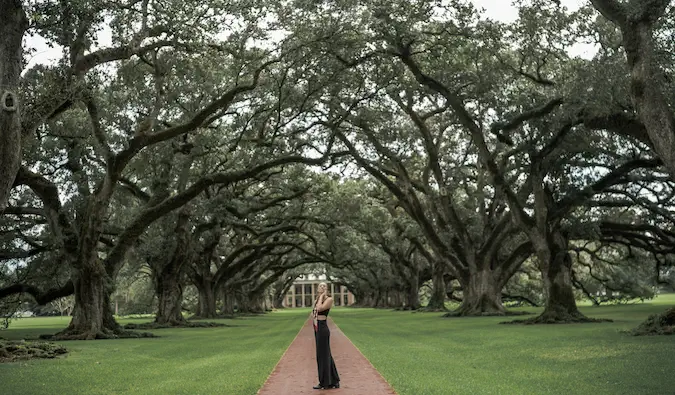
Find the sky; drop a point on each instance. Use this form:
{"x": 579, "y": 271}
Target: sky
{"x": 501, "y": 10}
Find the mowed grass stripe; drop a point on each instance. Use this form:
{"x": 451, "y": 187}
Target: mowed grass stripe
{"x": 230, "y": 360}
{"x": 422, "y": 354}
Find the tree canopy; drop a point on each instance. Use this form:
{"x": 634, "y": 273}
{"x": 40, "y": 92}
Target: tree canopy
{"x": 216, "y": 150}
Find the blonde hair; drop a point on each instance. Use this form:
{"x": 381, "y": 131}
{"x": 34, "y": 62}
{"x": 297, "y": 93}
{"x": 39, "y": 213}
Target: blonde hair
{"x": 325, "y": 285}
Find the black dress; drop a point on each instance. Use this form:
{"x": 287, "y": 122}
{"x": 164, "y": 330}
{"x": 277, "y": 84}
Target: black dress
{"x": 328, "y": 374}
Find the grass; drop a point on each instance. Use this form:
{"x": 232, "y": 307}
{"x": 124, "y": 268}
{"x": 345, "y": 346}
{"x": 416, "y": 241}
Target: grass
{"x": 417, "y": 353}
{"x": 227, "y": 360}
{"x": 420, "y": 353}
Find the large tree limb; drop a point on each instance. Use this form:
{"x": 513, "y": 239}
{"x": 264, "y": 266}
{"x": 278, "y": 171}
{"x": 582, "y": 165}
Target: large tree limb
{"x": 612, "y": 178}
{"x": 474, "y": 129}
{"x": 520, "y": 119}
{"x": 613, "y": 10}
{"x": 142, "y": 139}
{"x": 40, "y": 297}
{"x": 151, "y": 214}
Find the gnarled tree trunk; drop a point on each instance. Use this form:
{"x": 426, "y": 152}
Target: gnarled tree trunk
{"x": 168, "y": 270}
{"x": 228, "y": 302}
{"x": 13, "y": 25}
{"x": 555, "y": 264}
{"x": 437, "y": 300}
{"x": 92, "y": 315}
{"x": 170, "y": 299}
{"x": 412, "y": 300}
{"x": 481, "y": 294}
{"x": 206, "y": 307}
{"x": 251, "y": 303}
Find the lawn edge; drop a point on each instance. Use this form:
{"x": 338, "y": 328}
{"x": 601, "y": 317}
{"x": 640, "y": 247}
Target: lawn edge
{"x": 364, "y": 356}
{"x": 282, "y": 356}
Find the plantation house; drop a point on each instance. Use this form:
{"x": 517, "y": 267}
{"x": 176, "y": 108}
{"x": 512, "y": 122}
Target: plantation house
{"x": 303, "y": 292}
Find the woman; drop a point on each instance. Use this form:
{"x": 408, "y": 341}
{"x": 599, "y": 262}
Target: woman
{"x": 328, "y": 374}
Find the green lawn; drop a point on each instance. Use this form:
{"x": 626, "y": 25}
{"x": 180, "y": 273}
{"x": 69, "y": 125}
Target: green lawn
{"x": 229, "y": 360}
{"x": 422, "y": 354}
{"x": 418, "y": 353}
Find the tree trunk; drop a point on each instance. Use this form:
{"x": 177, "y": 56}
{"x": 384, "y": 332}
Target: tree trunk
{"x": 556, "y": 271}
{"x": 481, "y": 295}
{"x": 647, "y": 82}
{"x": 252, "y": 304}
{"x": 413, "y": 294}
{"x": 228, "y": 302}
{"x": 367, "y": 300}
{"x": 206, "y": 307}
{"x": 555, "y": 265}
{"x": 13, "y": 25}
{"x": 278, "y": 302}
{"x": 437, "y": 300}
{"x": 170, "y": 295}
{"x": 92, "y": 315}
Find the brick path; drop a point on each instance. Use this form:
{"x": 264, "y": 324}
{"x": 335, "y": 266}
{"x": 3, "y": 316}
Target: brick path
{"x": 295, "y": 373}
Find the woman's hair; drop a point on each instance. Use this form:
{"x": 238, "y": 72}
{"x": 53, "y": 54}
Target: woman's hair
{"x": 327, "y": 288}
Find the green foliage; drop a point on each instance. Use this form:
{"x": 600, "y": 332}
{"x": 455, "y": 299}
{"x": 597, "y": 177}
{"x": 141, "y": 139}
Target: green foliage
{"x": 412, "y": 190}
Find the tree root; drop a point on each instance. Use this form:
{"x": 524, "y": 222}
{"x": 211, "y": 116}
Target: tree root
{"x": 175, "y": 324}
{"x": 427, "y": 309}
{"x": 71, "y": 334}
{"x": 557, "y": 317}
{"x": 406, "y": 308}
{"x": 657, "y": 325}
{"x": 11, "y": 351}
{"x": 505, "y": 313}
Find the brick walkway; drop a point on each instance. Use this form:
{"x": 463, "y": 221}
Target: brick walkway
{"x": 295, "y": 374}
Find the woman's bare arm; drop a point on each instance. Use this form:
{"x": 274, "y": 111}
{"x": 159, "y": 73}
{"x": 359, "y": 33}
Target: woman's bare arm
{"x": 325, "y": 305}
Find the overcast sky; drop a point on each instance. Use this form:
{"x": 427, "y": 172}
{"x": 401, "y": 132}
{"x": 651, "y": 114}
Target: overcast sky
{"x": 501, "y": 10}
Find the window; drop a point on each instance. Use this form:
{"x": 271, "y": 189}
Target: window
{"x": 298, "y": 289}
{"x": 346, "y": 299}
{"x": 308, "y": 289}
{"x": 337, "y": 301}
{"x": 289, "y": 301}
{"x": 308, "y": 301}
{"x": 298, "y": 301}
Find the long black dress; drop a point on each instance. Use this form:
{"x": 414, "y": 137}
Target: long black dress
{"x": 328, "y": 374}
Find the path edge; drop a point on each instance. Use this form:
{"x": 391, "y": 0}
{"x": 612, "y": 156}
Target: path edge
{"x": 364, "y": 357}
{"x": 284, "y": 354}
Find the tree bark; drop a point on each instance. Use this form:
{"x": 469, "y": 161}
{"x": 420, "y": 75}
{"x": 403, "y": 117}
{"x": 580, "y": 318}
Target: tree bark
{"x": 637, "y": 20}
{"x": 413, "y": 295}
{"x": 251, "y": 304}
{"x": 92, "y": 315}
{"x": 168, "y": 269}
{"x": 13, "y": 25}
{"x": 481, "y": 295}
{"x": 555, "y": 264}
{"x": 437, "y": 300}
{"x": 170, "y": 297}
{"x": 206, "y": 307}
{"x": 228, "y": 302}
